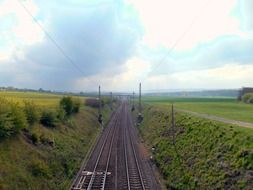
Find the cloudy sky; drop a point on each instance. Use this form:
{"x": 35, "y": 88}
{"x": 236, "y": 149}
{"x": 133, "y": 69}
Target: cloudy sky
{"x": 166, "y": 44}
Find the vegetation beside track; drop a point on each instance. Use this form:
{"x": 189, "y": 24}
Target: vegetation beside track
{"x": 47, "y": 157}
{"x": 205, "y": 155}
{"x": 228, "y": 108}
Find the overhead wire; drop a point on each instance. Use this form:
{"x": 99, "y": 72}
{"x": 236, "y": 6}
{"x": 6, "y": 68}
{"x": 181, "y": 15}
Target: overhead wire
{"x": 50, "y": 37}
{"x": 72, "y": 62}
{"x": 163, "y": 60}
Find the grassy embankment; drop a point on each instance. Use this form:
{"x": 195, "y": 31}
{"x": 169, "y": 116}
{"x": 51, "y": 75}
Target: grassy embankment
{"x": 205, "y": 155}
{"x": 39, "y": 165}
{"x": 223, "y": 107}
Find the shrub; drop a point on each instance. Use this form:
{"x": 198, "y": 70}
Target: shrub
{"x": 18, "y": 117}
{"x": 32, "y": 112}
{"x": 247, "y": 98}
{"x": 76, "y": 105}
{"x": 12, "y": 118}
{"x": 250, "y": 100}
{"x": 70, "y": 105}
{"x": 48, "y": 119}
{"x": 34, "y": 138}
{"x": 61, "y": 114}
{"x": 66, "y": 104}
{"x": 5, "y": 126}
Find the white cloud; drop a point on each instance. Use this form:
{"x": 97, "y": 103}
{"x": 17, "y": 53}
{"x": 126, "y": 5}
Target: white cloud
{"x": 132, "y": 71}
{"x": 4, "y": 56}
{"x": 18, "y": 28}
{"x": 165, "y": 21}
{"x": 109, "y": 46}
{"x": 231, "y": 75}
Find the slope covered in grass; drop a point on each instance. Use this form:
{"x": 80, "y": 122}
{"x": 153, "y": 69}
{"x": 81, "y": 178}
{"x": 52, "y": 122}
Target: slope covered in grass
{"x": 203, "y": 155}
{"x": 48, "y": 158}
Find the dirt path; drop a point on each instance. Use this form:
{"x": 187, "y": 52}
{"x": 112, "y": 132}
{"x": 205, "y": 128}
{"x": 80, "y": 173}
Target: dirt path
{"x": 220, "y": 119}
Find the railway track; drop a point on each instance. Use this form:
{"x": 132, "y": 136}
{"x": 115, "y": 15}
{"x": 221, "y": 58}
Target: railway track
{"x": 135, "y": 179}
{"x": 114, "y": 162}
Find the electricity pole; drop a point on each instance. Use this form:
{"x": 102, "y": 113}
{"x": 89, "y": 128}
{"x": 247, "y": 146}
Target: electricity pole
{"x": 111, "y": 101}
{"x": 173, "y": 123}
{"x": 140, "y": 99}
{"x": 140, "y": 117}
{"x": 99, "y": 106}
{"x": 133, "y": 107}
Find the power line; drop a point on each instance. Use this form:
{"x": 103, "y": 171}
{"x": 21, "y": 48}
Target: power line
{"x": 57, "y": 45}
{"x": 162, "y": 61}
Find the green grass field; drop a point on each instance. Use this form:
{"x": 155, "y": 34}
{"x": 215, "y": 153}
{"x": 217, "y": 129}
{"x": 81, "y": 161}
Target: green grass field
{"x": 40, "y": 99}
{"x": 223, "y": 107}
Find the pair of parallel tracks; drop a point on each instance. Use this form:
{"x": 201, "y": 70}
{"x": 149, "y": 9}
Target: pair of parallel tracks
{"x": 114, "y": 163}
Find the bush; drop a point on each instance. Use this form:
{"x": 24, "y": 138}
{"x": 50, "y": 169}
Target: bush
{"x": 250, "y": 100}
{"x": 48, "y": 119}
{"x": 18, "y": 117}
{"x": 61, "y": 114}
{"x": 5, "y": 126}
{"x": 31, "y": 111}
{"x": 76, "y": 105}
{"x": 12, "y": 118}
{"x": 69, "y": 105}
{"x": 247, "y": 98}
{"x": 66, "y": 104}
{"x": 34, "y": 138}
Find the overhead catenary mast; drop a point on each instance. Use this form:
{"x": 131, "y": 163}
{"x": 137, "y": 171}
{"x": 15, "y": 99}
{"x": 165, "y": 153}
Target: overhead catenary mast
{"x": 133, "y": 107}
{"x": 140, "y": 117}
{"x": 111, "y": 100}
{"x": 99, "y": 106}
{"x": 140, "y": 99}
{"x": 173, "y": 123}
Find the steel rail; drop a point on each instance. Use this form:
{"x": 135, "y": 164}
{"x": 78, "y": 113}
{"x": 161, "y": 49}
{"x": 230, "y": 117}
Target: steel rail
{"x": 126, "y": 161}
{"x": 100, "y": 153}
{"x": 110, "y": 151}
{"x": 135, "y": 155}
